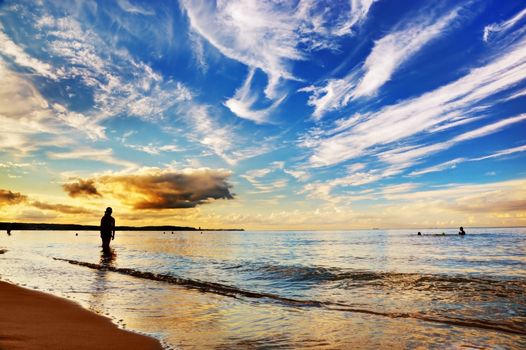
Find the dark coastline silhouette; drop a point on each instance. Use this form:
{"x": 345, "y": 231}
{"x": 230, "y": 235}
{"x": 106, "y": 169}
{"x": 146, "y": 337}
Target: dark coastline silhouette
{"x": 23, "y": 226}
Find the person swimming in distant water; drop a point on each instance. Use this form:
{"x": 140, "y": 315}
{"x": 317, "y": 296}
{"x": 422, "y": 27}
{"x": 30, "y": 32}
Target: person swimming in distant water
{"x": 419, "y": 234}
{"x": 107, "y": 229}
{"x": 461, "y": 232}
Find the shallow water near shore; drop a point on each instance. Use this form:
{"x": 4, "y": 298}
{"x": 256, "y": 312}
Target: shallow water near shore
{"x": 290, "y": 289}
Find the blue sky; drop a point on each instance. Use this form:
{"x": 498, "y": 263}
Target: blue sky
{"x": 264, "y": 114}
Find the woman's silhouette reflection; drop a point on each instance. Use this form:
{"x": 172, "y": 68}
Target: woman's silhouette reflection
{"x": 107, "y": 257}
{"x": 101, "y": 282}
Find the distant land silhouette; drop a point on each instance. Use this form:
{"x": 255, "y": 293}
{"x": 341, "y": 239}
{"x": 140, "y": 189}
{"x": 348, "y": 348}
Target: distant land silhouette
{"x": 74, "y": 227}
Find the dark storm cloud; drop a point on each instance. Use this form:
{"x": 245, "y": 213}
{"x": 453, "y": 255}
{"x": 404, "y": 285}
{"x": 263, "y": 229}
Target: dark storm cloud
{"x": 168, "y": 189}
{"x": 81, "y": 188}
{"x": 10, "y": 198}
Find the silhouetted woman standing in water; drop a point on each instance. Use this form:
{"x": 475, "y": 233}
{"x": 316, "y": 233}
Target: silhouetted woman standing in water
{"x": 107, "y": 229}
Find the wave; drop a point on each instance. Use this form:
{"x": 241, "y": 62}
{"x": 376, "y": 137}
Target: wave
{"x": 301, "y": 273}
{"x": 235, "y": 292}
{"x": 348, "y": 279}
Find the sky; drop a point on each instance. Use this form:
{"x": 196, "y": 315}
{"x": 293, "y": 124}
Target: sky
{"x": 263, "y": 114}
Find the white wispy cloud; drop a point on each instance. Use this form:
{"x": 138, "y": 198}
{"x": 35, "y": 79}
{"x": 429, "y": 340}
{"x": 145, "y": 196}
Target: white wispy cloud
{"x": 221, "y": 139}
{"x": 398, "y": 188}
{"x": 450, "y": 164}
{"x": 455, "y": 122}
{"x": 397, "y": 160}
{"x": 9, "y": 165}
{"x": 15, "y": 169}
{"x": 100, "y": 155}
{"x": 453, "y": 163}
{"x": 336, "y": 93}
{"x": 368, "y": 133}
{"x": 394, "y": 49}
{"x": 269, "y": 35}
{"x": 120, "y": 83}
{"x": 460, "y": 192}
{"x": 518, "y": 94}
{"x": 256, "y": 177}
{"x": 495, "y": 28}
{"x": 408, "y": 156}
{"x": 10, "y": 49}
{"x": 300, "y": 175}
{"x": 255, "y": 33}
{"x": 357, "y": 14}
{"x": 199, "y": 51}
{"x": 503, "y": 152}
{"x": 269, "y": 186}
{"x": 154, "y": 149}
{"x": 79, "y": 121}
{"x": 489, "y": 129}
{"x": 160, "y": 98}
{"x": 210, "y": 134}
{"x": 127, "y": 6}
{"x": 242, "y": 103}
{"x": 388, "y": 55}
{"x": 28, "y": 121}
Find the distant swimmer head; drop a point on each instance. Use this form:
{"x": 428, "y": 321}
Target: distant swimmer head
{"x": 419, "y": 234}
{"x": 108, "y": 210}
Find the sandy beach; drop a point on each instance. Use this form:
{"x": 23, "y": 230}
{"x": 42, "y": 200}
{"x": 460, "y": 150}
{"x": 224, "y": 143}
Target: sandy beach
{"x": 34, "y": 320}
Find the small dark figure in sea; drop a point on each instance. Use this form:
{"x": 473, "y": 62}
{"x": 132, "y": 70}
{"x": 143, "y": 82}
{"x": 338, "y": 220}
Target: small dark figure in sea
{"x": 461, "y": 232}
{"x": 76, "y": 234}
{"x": 8, "y": 232}
{"x": 419, "y": 234}
{"x": 107, "y": 229}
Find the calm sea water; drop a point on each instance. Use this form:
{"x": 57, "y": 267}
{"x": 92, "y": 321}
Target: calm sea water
{"x": 337, "y": 290}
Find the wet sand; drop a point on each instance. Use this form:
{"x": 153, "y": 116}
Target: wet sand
{"x": 34, "y": 320}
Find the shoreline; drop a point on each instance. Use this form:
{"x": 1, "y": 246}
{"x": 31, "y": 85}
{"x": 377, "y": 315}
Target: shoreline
{"x": 36, "y": 320}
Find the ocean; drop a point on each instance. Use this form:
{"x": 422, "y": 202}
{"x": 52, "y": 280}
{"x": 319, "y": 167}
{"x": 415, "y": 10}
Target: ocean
{"x": 365, "y": 289}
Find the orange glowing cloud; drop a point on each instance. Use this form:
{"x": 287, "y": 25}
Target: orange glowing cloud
{"x": 61, "y": 208}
